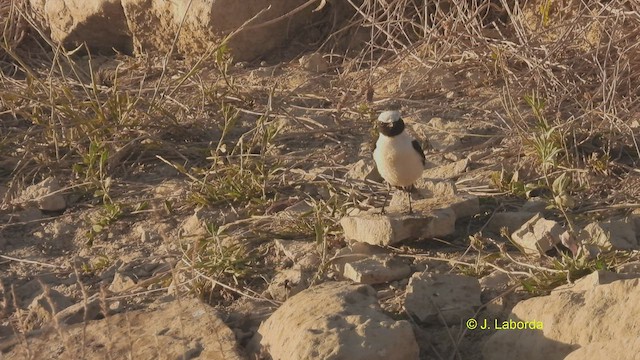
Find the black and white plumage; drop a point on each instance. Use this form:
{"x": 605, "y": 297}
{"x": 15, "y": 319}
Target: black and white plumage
{"x": 398, "y": 156}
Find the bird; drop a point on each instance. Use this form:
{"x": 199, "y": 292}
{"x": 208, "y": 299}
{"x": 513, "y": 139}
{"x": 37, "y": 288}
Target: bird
{"x": 398, "y": 156}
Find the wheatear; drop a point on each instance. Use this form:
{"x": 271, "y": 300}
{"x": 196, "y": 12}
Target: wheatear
{"x": 398, "y": 156}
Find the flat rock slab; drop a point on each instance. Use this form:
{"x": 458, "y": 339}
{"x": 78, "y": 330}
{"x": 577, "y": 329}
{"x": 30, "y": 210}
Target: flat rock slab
{"x": 431, "y": 218}
{"x": 597, "y": 309}
{"x": 376, "y": 270}
{"x": 182, "y": 329}
{"x": 538, "y": 235}
{"x": 335, "y": 320}
{"x": 617, "y": 234}
{"x": 45, "y": 196}
{"x": 626, "y": 348}
{"x": 432, "y": 298}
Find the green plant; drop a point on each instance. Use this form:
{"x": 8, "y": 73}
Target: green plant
{"x": 545, "y": 10}
{"x": 568, "y": 269}
{"x": 510, "y": 183}
{"x": 97, "y": 264}
{"x": 217, "y": 257}
{"x": 107, "y": 215}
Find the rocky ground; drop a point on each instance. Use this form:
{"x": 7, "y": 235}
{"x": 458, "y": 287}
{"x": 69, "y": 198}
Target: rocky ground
{"x": 196, "y": 206}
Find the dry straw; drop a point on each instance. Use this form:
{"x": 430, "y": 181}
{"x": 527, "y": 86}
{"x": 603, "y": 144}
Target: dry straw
{"x": 13, "y": 24}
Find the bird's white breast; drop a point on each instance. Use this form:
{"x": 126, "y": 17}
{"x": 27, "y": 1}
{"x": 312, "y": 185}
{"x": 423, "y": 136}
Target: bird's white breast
{"x": 397, "y": 161}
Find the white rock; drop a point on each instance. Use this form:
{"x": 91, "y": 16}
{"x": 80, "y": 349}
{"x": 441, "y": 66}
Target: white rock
{"x": 43, "y": 195}
{"x": 353, "y": 252}
{"x": 90, "y": 309}
{"x": 625, "y": 348}
{"x": 364, "y": 169}
{"x": 100, "y": 23}
{"x": 176, "y": 330}
{"x": 616, "y": 234}
{"x": 288, "y": 282}
{"x": 121, "y": 282}
{"x": 435, "y": 189}
{"x": 393, "y": 228}
{"x": 41, "y": 310}
{"x": 432, "y": 298}
{"x": 538, "y": 235}
{"x": 295, "y": 250}
{"x": 595, "y": 279}
{"x": 152, "y": 22}
{"x": 335, "y": 321}
{"x": 571, "y": 318}
{"x": 466, "y": 206}
{"x": 376, "y": 270}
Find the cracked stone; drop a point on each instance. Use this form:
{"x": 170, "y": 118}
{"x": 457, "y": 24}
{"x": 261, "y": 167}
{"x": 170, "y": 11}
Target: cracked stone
{"x": 376, "y": 270}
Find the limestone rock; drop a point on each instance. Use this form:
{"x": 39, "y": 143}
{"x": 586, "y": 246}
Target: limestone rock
{"x": 180, "y": 329}
{"x": 44, "y": 196}
{"x": 376, "y": 270}
{"x": 335, "y": 320}
{"x": 393, "y": 228}
{"x": 45, "y": 305}
{"x": 538, "y": 235}
{"x": 101, "y": 24}
{"x": 289, "y": 282}
{"x": 598, "y": 309}
{"x": 121, "y": 282}
{"x": 206, "y": 22}
{"x": 493, "y": 287}
{"x": 356, "y": 251}
{"x": 364, "y": 169}
{"x": 90, "y": 309}
{"x": 435, "y": 189}
{"x": 454, "y": 297}
{"x": 616, "y": 234}
{"x": 595, "y": 279}
{"x": 295, "y": 250}
{"x": 626, "y": 348}
{"x": 303, "y": 254}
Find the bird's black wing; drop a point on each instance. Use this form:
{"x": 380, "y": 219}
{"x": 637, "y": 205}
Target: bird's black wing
{"x": 418, "y": 148}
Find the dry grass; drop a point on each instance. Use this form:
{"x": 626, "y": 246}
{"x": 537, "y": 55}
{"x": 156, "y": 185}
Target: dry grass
{"x": 567, "y": 75}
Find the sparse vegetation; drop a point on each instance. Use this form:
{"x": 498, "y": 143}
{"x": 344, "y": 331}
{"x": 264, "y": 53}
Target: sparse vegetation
{"x": 547, "y": 89}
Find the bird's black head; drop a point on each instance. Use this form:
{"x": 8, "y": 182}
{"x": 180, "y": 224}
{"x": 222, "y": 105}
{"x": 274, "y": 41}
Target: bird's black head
{"x": 391, "y": 128}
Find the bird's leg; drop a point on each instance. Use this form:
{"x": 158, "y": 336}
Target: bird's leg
{"x": 409, "y": 193}
{"x": 386, "y": 197}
